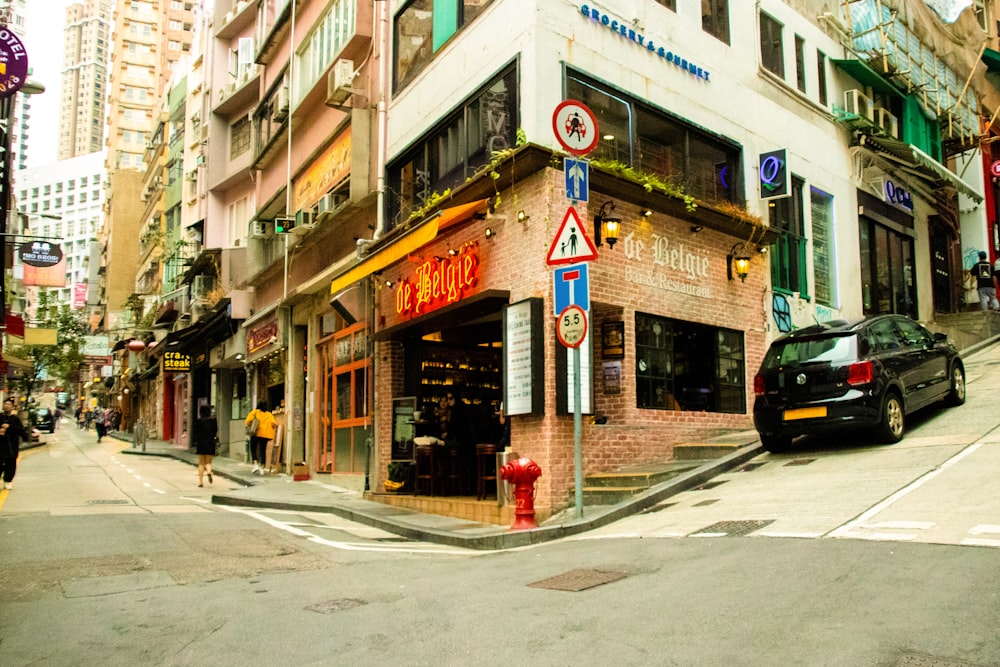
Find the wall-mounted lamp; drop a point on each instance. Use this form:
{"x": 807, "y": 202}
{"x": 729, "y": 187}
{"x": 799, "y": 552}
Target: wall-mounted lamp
{"x": 646, "y": 212}
{"x": 388, "y": 284}
{"x": 696, "y": 228}
{"x": 452, "y": 252}
{"x": 607, "y": 225}
{"x": 490, "y": 233}
{"x": 240, "y": 356}
{"x": 522, "y": 216}
{"x": 738, "y": 257}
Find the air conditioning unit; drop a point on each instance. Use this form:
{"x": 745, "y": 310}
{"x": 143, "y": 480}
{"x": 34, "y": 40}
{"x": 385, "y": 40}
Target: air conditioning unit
{"x": 858, "y": 104}
{"x": 281, "y": 104}
{"x": 329, "y": 203}
{"x": 887, "y": 122}
{"x": 304, "y": 220}
{"x": 259, "y": 229}
{"x": 191, "y": 176}
{"x": 202, "y": 285}
{"x": 834, "y": 21}
{"x": 144, "y": 197}
{"x": 338, "y": 84}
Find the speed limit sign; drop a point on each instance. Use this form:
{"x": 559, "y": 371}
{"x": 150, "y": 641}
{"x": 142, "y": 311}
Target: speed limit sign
{"x": 571, "y": 327}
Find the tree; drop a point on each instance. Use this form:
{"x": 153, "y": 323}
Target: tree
{"x": 61, "y": 361}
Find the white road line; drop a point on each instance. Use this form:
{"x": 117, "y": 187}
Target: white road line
{"x": 708, "y": 535}
{"x": 147, "y": 485}
{"x": 883, "y": 537}
{"x": 611, "y": 536}
{"x": 843, "y": 530}
{"x": 973, "y": 542}
{"x": 807, "y": 536}
{"x": 979, "y": 530}
{"x": 163, "y": 493}
{"x": 906, "y": 525}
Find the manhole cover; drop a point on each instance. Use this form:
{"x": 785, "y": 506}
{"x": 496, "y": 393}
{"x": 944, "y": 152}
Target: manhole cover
{"x": 917, "y": 660}
{"x": 330, "y": 606}
{"x": 710, "y": 501}
{"x": 751, "y": 467}
{"x": 710, "y": 485}
{"x": 799, "y": 462}
{"x": 108, "y": 502}
{"x": 732, "y": 528}
{"x": 579, "y": 580}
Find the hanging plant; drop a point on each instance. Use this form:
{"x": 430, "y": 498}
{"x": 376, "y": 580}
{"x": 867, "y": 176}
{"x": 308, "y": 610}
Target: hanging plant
{"x": 648, "y": 180}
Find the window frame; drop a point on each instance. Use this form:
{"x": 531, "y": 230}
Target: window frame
{"x": 772, "y": 58}
{"x": 715, "y": 19}
{"x": 788, "y": 254}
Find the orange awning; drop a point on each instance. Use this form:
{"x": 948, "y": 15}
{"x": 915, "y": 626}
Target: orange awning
{"x": 405, "y": 245}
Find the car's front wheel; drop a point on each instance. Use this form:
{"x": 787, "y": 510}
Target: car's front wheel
{"x": 893, "y": 421}
{"x": 956, "y": 395}
{"x": 776, "y": 444}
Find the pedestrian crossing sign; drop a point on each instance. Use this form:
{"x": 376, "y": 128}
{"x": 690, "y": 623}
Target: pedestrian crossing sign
{"x": 571, "y": 243}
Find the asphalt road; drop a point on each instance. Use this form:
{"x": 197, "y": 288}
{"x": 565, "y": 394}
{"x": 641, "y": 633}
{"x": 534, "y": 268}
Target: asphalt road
{"x": 843, "y": 552}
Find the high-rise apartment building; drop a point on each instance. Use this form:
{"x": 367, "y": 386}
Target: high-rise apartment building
{"x": 86, "y": 52}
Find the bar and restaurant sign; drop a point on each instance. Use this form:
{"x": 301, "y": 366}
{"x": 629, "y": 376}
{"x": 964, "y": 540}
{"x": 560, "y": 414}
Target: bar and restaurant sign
{"x": 176, "y": 362}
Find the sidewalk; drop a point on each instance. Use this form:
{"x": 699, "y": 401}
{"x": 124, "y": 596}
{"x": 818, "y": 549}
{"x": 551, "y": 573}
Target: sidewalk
{"x": 279, "y": 491}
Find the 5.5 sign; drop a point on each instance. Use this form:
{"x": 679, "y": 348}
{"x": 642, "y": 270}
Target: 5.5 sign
{"x": 571, "y": 327}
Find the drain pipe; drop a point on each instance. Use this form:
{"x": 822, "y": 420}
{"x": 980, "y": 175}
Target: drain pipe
{"x": 382, "y": 120}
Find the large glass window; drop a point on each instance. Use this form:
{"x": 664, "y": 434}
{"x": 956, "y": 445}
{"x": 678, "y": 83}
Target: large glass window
{"x": 771, "y": 48}
{"x": 715, "y": 18}
{"x": 821, "y": 208}
{"x": 332, "y": 32}
{"x": 462, "y": 143}
{"x": 800, "y": 63}
{"x": 650, "y": 140}
{"x": 688, "y": 366}
{"x": 821, "y": 77}
{"x": 887, "y": 284}
{"x": 423, "y": 27}
{"x": 788, "y": 259}
{"x": 344, "y": 423}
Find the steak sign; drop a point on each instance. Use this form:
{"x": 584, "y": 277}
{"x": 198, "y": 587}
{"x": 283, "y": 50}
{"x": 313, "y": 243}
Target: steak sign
{"x": 40, "y": 253}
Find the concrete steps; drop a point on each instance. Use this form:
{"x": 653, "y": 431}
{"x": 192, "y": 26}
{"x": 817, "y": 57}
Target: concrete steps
{"x": 609, "y": 488}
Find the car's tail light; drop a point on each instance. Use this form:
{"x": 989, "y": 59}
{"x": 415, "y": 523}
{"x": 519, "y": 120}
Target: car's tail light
{"x": 758, "y": 385}
{"x": 859, "y": 373}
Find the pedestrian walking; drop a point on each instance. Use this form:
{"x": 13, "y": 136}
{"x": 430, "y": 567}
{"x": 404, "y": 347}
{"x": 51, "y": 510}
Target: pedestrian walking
{"x": 982, "y": 271}
{"x": 260, "y": 436}
{"x": 206, "y": 441}
{"x": 100, "y": 422}
{"x": 11, "y": 433}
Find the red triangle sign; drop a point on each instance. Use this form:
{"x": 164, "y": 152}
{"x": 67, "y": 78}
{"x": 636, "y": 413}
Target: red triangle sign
{"x": 571, "y": 243}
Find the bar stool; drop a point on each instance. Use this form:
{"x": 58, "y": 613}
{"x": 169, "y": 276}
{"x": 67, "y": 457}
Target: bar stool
{"x": 425, "y": 463}
{"x": 451, "y": 471}
{"x": 486, "y": 468}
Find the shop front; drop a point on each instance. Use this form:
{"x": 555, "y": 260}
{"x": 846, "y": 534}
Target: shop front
{"x": 464, "y": 326}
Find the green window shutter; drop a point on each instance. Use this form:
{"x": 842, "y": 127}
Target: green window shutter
{"x": 445, "y": 22}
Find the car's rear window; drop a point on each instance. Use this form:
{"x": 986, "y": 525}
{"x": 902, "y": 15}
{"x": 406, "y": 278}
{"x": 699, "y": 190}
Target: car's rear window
{"x": 822, "y": 349}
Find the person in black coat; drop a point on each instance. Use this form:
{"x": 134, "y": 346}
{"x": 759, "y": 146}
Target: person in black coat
{"x": 11, "y": 433}
{"x": 206, "y": 430}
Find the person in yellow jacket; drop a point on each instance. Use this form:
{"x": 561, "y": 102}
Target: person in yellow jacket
{"x": 265, "y": 432}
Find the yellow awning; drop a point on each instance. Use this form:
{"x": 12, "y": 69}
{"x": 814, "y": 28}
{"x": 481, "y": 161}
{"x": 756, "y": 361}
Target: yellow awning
{"x": 405, "y": 245}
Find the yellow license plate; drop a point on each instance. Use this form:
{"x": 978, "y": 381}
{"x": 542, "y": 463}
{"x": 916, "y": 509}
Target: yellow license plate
{"x": 804, "y": 413}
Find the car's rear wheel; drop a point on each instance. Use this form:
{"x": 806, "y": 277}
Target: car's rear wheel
{"x": 893, "y": 421}
{"x": 956, "y": 396}
{"x": 776, "y": 444}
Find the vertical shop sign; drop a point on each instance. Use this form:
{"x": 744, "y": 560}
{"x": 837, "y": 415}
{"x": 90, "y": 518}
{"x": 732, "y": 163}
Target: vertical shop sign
{"x": 773, "y": 175}
{"x": 524, "y": 357}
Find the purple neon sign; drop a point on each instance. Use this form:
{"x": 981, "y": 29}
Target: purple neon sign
{"x": 13, "y": 63}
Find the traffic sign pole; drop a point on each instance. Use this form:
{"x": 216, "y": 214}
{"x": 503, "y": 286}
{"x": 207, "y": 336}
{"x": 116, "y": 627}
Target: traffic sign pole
{"x": 577, "y": 435}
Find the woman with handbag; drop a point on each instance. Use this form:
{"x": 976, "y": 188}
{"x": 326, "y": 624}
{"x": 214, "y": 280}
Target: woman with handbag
{"x": 259, "y": 435}
{"x": 206, "y": 439}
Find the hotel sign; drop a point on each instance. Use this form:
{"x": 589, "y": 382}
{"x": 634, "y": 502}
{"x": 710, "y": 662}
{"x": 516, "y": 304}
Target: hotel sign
{"x": 13, "y": 63}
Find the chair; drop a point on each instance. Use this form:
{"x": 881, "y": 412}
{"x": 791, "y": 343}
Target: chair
{"x": 486, "y": 468}
{"x": 425, "y": 463}
{"x": 451, "y": 471}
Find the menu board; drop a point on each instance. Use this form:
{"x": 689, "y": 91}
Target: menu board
{"x": 524, "y": 358}
{"x": 402, "y": 427}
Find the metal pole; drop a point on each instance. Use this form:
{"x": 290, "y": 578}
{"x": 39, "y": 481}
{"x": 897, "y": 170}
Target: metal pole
{"x": 577, "y": 432}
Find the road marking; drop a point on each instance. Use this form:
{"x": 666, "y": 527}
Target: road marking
{"x": 848, "y": 527}
{"x": 979, "y": 530}
{"x": 906, "y": 525}
{"x": 974, "y": 542}
{"x": 884, "y": 537}
{"x": 770, "y": 533}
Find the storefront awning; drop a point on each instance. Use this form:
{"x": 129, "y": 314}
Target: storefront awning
{"x": 910, "y": 156}
{"x": 992, "y": 60}
{"x": 410, "y": 242}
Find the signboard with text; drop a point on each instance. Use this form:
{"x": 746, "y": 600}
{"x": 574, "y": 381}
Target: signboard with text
{"x": 176, "y": 362}
{"x": 524, "y": 358}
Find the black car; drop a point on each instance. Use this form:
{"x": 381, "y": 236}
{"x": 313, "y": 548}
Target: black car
{"x": 841, "y": 375}
{"x": 44, "y": 420}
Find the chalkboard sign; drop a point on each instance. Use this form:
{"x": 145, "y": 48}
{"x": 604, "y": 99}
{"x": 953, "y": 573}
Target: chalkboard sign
{"x": 403, "y": 410}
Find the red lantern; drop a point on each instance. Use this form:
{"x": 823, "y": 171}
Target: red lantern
{"x": 136, "y": 345}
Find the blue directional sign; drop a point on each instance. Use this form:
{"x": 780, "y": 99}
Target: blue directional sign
{"x": 572, "y": 287}
{"x": 577, "y": 179}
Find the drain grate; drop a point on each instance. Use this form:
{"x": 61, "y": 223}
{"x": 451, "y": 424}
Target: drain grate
{"x": 751, "y": 466}
{"x": 799, "y": 462}
{"x": 711, "y": 485}
{"x": 339, "y": 604}
{"x": 108, "y": 502}
{"x": 703, "y": 503}
{"x": 579, "y": 580}
{"x": 657, "y": 508}
{"x": 732, "y": 528}
{"x": 917, "y": 660}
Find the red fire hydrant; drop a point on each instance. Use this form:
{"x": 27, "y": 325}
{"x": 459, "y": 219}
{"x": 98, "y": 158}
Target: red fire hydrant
{"x": 522, "y": 473}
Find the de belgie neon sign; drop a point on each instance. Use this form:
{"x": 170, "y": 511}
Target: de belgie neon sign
{"x": 437, "y": 283}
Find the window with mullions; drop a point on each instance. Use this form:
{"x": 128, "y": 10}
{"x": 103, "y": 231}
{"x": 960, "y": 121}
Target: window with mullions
{"x": 422, "y": 28}
{"x": 715, "y": 18}
{"x": 462, "y": 143}
{"x": 652, "y": 141}
{"x": 788, "y": 258}
{"x": 688, "y": 366}
{"x": 771, "y": 49}
{"x": 800, "y": 63}
{"x": 669, "y": 4}
{"x": 824, "y": 277}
